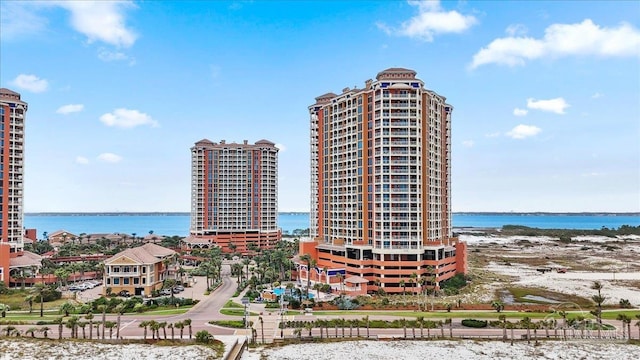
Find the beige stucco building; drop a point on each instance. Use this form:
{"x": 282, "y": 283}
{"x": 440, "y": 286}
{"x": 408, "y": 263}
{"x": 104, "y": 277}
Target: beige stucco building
{"x": 138, "y": 270}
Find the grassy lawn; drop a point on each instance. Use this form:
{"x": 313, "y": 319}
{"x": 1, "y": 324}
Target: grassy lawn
{"x": 231, "y": 304}
{"x": 235, "y": 312}
{"x": 610, "y": 315}
{"x": 235, "y": 324}
{"x": 519, "y": 294}
{"x": 15, "y": 300}
{"x": 169, "y": 311}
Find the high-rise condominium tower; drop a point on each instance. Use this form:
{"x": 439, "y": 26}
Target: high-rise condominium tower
{"x": 234, "y": 195}
{"x": 12, "y": 114}
{"x": 381, "y": 187}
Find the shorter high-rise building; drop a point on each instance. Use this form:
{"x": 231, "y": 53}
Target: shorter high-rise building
{"x": 234, "y": 196}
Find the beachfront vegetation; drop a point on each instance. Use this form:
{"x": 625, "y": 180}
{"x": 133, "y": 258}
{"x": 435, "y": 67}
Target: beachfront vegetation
{"x": 567, "y": 234}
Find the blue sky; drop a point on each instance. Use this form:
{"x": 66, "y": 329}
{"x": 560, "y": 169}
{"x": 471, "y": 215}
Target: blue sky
{"x": 546, "y": 95}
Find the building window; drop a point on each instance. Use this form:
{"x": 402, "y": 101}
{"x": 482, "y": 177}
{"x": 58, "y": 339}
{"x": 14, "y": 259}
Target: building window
{"x": 126, "y": 269}
{"x": 108, "y": 281}
{"x": 125, "y": 281}
{"x": 144, "y": 269}
{"x": 136, "y": 281}
{"x": 144, "y": 280}
{"x": 116, "y": 281}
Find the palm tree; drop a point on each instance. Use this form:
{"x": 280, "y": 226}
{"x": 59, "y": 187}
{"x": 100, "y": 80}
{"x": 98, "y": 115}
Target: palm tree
{"x": 450, "y": 322}
{"x": 163, "y": 325}
{"x": 104, "y": 315}
{"x": 120, "y": 310}
{"x": 155, "y": 329}
{"x": 38, "y": 292}
{"x": 89, "y": 317}
{"x": 320, "y": 324}
{"x": 83, "y": 325}
{"x": 261, "y": 327}
{"x": 503, "y": 318}
{"x": 420, "y": 322}
{"x": 31, "y": 331}
{"x": 179, "y": 325}
{"x": 9, "y": 329}
{"x": 60, "y": 323}
{"x": 110, "y": 325}
{"x": 144, "y": 324}
{"x": 563, "y": 314}
{"x": 45, "y": 331}
{"x": 403, "y": 321}
{"x": 66, "y": 308}
{"x": 598, "y": 299}
{"x": 526, "y": 322}
{"x": 340, "y": 277}
{"x": 580, "y": 320}
{"x": 187, "y": 322}
{"x": 311, "y": 262}
{"x": 626, "y": 323}
{"x": 72, "y": 324}
{"x": 246, "y": 263}
{"x": 366, "y": 320}
{"x": 497, "y": 305}
{"x": 29, "y": 300}
{"x": 308, "y": 326}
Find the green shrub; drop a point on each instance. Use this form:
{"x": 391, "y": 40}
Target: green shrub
{"x": 474, "y": 323}
{"x": 236, "y": 324}
{"x": 203, "y": 337}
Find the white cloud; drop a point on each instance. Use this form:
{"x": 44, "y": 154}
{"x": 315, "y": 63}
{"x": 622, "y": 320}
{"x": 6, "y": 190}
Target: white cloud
{"x": 31, "y": 83}
{"x": 71, "y": 108}
{"x": 516, "y": 30}
{"x": 431, "y": 20}
{"x": 597, "y": 95}
{"x": 557, "y": 105}
{"x": 110, "y": 158}
{"x": 281, "y": 147}
{"x": 101, "y": 21}
{"x": 125, "y": 118}
{"x": 492, "y": 135}
{"x": 592, "y": 174}
{"x": 523, "y": 131}
{"x": 468, "y": 143}
{"x": 520, "y": 112}
{"x": 18, "y": 18}
{"x": 585, "y": 38}
{"x": 107, "y": 55}
{"x": 82, "y": 160}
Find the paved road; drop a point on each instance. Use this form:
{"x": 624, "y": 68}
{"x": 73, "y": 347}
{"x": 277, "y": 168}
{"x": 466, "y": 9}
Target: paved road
{"x": 209, "y": 309}
{"x": 206, "y": 310}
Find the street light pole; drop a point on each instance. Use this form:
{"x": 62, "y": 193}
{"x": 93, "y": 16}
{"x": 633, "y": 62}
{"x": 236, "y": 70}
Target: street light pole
{"x": 283, "y": 306}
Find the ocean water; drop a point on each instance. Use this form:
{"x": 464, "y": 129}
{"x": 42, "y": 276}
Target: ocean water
{"x": 178, "y": 224}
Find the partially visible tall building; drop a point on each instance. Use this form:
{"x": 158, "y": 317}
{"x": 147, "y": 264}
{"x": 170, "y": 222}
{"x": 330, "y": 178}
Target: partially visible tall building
{"x": 234, "y": 196}
{"x": 381, "y": 187}
{"x": 12, "y": 255}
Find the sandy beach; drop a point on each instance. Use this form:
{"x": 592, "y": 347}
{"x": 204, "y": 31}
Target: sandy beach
{"x": 501, "y": 261}
{"x": 480, "y": 350}
{"x": 12, "y": 349}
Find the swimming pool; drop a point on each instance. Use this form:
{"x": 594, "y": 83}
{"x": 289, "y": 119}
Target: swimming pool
{"x": 279, "y": 291}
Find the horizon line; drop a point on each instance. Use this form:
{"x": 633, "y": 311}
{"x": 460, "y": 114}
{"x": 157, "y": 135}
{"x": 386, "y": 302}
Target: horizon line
{"x": 631, "y": 213}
